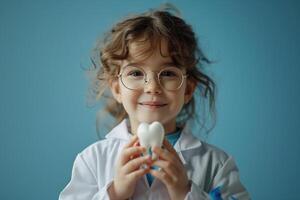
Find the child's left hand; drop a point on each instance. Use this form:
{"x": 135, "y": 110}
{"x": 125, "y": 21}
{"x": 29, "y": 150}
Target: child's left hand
{"x": 172, "y": 172}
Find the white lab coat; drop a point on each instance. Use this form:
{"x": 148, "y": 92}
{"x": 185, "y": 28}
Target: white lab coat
{"x": 207, "y": 168}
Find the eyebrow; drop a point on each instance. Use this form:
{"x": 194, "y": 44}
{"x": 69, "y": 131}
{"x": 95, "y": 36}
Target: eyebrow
{"x": 137, "y": 64}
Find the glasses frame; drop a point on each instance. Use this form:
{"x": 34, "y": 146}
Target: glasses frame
{"x": 183, "y": 76}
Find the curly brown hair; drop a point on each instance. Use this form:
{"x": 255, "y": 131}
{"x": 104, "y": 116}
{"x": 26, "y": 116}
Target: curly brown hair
{"x": 151, "y": 27}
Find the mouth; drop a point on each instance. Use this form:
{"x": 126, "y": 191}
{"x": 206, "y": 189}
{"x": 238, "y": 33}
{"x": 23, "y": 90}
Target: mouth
{"x": 152, "y": 105}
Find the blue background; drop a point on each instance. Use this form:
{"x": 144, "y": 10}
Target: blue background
{"x": 45, "y": 121}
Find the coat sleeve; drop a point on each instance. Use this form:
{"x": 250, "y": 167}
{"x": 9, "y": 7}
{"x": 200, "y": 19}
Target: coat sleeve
{"x": 83, "y": 184}
{"x": 226, "y": 185}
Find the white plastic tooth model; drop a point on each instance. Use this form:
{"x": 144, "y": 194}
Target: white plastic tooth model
{"x": 151, "y": 135}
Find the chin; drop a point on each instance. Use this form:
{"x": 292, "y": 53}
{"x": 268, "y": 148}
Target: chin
{"x": 153, "y": 118}
{"x": 149, "y": 120}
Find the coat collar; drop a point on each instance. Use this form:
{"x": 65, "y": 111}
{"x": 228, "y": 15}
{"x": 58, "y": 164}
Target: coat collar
{"x": 185, "y": 142}
{"x": 120, "y": 131}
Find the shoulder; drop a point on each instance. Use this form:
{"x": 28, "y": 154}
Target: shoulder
{"x": 102, "y": 148}
{"x": 198, "y": 149}
{"x": 113, "y": 141}
{"x": 214, "y": 153}
{"x": 96, "y": 157}
{"x": 203, "y": 161}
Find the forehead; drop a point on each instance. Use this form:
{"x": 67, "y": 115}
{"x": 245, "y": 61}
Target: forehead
{"x": 143, "y": 48}
{"x": 143, "y": 51}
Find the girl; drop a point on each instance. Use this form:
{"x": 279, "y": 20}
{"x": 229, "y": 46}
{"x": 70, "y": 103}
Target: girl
{"x": 151, "y": 64}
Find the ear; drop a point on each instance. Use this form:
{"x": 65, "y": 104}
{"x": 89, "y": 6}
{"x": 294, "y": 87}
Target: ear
{"x": 189, "y": 90}
{"x": 115, "y": 89}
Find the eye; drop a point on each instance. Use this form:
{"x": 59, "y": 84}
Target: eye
{"x": 135, "y": 73}
{"x": 168, "y": 73}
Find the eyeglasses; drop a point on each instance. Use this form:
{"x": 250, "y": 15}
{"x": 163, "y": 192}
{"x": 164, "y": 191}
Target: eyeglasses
{"x": 169, "y": 78}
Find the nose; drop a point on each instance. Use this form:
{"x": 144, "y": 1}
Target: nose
{"x": 152, "y": 85}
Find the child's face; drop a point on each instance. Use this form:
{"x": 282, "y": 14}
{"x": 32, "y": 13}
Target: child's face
{"x": 152, "y": 102}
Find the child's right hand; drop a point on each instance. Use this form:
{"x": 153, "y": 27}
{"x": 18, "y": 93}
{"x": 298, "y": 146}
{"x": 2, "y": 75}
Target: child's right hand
{"x": 129, "y": 170}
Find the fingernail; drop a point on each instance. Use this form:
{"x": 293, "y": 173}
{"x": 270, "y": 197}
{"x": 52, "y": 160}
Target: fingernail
{"x": 144, "y": 166}
{"x": 154, "y": 157}
{"x": 148, "y": 156}
{"x": 143, "y": 150}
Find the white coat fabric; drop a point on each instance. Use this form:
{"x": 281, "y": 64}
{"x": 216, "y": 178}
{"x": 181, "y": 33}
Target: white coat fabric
{"x": 212, "y": 173}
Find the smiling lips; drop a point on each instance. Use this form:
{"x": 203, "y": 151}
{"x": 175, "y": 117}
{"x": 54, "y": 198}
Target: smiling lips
{"x": 152, "y": 104}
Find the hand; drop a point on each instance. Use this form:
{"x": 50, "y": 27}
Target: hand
{"x": 128, "y": 170}
{"x": 172, "y": 172}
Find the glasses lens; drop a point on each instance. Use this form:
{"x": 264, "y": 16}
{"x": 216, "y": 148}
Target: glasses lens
{"x": 132, "y": 77}
{"x": 171, "y": 78}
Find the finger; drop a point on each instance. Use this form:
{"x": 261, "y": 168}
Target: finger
{"x": 164, "y": 154}
{"x": 138, "y": 173}
{"x": 167, "y": 167}
{"x": 131, "y": 142}
{"x": 162, "y": 176}
{"x": 137, "y": 143}
{"x": 136, "y": 163}
{"x": 130, "y": 153}
{"x": 170, "y": 148}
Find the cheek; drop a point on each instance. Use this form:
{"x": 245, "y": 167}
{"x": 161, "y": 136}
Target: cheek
{"x": 177, "y": 100}
{"x": 129, "y": 99}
